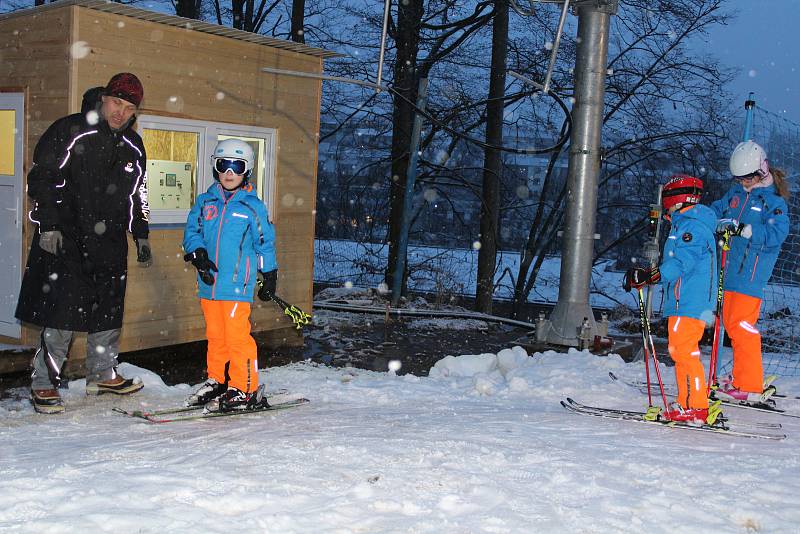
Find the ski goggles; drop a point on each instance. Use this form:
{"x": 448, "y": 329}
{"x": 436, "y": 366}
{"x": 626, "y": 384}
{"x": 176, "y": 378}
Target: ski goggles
{"x": 746, "y": 177}
{"x": 223, "y": 165}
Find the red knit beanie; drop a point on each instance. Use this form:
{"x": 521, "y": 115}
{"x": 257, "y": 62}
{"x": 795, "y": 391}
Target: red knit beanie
{"x": 127, "y": 87}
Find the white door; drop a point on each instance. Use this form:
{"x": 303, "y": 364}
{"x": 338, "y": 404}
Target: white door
{"x": 12, "y": 114}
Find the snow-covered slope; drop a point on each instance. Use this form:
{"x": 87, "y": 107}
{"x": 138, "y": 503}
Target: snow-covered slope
{"x": 481, "y": 445}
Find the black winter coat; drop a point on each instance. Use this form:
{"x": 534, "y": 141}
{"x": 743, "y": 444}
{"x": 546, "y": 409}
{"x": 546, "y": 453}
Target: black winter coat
{"x": 89, "y": 183}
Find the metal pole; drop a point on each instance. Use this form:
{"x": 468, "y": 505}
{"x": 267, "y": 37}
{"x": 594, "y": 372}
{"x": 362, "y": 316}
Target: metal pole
{"x": 652, "y": 252}
{"x": 556, "y": 44}
{"x": 408, "y": 199}
{"x": 386, "y": 6}
{"x": 749, "y": 106}
{"x": 573, "y": 310}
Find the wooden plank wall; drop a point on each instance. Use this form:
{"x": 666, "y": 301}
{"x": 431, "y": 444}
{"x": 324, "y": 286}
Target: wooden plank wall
{"x": 35, "y": 55}
{"x": 197, "y": 76}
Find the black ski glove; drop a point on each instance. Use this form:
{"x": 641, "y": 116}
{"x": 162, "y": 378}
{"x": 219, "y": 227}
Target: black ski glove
{"x": 52, "y": 242}
{"x": 204, "y": 266}
{"x": 637, "y": 277}
{"x": 144, "y": 255}
{"x": 268, "y": 283}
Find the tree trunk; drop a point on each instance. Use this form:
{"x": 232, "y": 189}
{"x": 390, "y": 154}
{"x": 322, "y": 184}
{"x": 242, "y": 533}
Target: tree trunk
{"x": 409, "y": 17}
{"x": 492, "y": 164}
{"x": 237, "y": 10}
{"x": 298, "y": 21}
{"x": 189, "y": 9}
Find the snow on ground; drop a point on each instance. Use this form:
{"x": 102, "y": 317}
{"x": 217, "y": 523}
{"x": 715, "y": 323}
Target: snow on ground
{"x": 481, "y": 445}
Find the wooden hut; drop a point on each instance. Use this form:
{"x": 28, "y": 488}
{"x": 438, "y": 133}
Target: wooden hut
{"x": 202, "y": 83}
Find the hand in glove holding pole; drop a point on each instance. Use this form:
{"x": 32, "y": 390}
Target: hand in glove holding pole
{"x": 205, "y": 267}
{"x": 734, "y": 228}
{"x": 637, "y": 277}
{"x": 267, "y": 283}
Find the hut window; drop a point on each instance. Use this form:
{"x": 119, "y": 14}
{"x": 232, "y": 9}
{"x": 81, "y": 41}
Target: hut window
{"x": 8, "y": 132}
{"x": 178, "y": 168}
{"x": 172, "y": 159}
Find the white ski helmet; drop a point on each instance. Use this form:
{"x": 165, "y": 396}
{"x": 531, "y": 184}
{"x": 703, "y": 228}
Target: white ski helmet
{"x": 230, "y": 151}
{"x": 747, "y": 158}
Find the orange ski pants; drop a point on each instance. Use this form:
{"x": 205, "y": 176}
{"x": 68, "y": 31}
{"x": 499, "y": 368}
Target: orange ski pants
{"x": 684, "y": 348}
{"x": 232, "y": 352}
{"x": 739, "y": 315}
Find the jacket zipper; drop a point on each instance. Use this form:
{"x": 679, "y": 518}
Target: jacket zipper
{"x": 219, "y": 234}
{"x": 755, "y": 264}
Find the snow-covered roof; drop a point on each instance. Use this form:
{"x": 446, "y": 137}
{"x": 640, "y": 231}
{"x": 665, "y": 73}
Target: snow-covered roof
{"x": 178, "y": 22}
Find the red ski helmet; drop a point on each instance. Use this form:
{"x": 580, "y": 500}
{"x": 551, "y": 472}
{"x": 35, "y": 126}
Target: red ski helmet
{"x": 681, "y": 190}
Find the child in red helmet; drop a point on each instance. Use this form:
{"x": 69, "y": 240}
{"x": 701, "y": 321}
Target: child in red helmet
{"x": 689, "y": 274}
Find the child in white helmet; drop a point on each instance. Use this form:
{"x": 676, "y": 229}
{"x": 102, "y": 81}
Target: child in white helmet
{"x": 228, "y": 238}
{"x": 754, "y": 210}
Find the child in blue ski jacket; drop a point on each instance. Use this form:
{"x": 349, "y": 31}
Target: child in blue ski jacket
{"x": 754, "y": 210}
{"x": 229, "y": 238}
{"x": 688, "y": 273}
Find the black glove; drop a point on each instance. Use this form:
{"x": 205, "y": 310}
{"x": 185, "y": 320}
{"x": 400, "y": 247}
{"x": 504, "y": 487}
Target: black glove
{"x": 732, "y": 226}
{"x": 637, "y": 277}
{"x": 52, "y": 241}
{"x": 268, "y": 283}
{"x": 204, "y": 266}
{"x": 143, "y": 254}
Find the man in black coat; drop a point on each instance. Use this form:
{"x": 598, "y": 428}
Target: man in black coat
{"x": 89, "y": 188}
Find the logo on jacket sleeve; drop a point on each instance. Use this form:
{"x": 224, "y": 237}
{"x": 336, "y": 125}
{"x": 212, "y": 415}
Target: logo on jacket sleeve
{"x": 734, "y": 202}
{"x": 687, "y": 236}
{"x": 129, "y": 167}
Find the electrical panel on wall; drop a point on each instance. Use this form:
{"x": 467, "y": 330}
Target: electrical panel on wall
{"x": 169, "y": 184}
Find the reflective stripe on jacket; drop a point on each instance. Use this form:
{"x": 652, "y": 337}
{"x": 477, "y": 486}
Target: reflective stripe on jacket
{"x": 689, "y": 266}
{"x": 750, "y": 261}
{"x": 239, "y": 239}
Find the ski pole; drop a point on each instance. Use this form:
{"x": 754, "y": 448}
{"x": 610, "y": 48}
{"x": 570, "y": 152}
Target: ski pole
{"x": 648, "y": 339}
{"x": 719, "y": 328}
{"x": 298, "y": 316}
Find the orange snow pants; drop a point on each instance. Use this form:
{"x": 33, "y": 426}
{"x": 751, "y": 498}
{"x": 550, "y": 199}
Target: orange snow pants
{"x": 739, "y": 315}
{"x": 232, "y": 353}
{"x": 684, "y": 348}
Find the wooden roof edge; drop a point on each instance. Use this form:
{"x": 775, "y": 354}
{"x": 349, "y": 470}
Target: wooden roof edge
{"x": 178, "y": 22}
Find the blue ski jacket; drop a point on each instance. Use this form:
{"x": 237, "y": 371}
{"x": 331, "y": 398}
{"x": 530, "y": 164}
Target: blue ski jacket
{"x": 238, "y": 237}
{"x": 689, "y": 267}
{"x": 750, "y": 261}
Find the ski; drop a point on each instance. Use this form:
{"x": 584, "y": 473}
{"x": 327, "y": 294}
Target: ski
{"x": 722, "y": 418}
{"x": 182, "y": 409}
{"x": 639, "y": 417}
{"x": 767, "y": 407}
{"x": 190, "y": 415}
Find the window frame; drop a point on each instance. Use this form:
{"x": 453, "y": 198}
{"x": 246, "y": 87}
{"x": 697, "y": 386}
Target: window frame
{"x": 208, "y": 132}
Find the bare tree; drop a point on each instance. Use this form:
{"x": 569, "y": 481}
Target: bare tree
{"x": 298, "y": 21}
{"x": 660, "y": 100}
{"x": 492, "y": 166}
{"x": 190, "y": 9}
